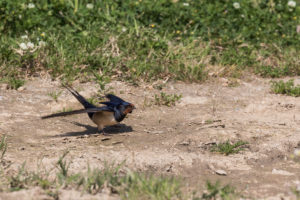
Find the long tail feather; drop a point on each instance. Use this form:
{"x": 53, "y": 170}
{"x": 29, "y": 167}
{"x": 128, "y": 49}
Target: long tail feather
{"x": 89, "y": 110}
{"x": 65, "y": 113}
{"x": 80, "y": 98}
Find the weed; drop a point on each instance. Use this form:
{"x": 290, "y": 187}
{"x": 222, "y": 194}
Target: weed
{"x": 209, "y": 121}
{"x": 24, "y": 179}
{"x": 13, "y": 82}
{"x": 101, "y": 80}
{"x": 159, "y": 86}
{"x": 296, "y": 191}
{"x": 166, "y": 99}
{"x": 269, "y": 71}
{"x": 53, "y": 193}
{"x": 3, "y": 146}
{"x": 139, "y": 186}
{"x": 130, "y": 185}
{"x": 287, "y": 88}
{"x": 63, "y": 168}
{"x": 229, "y": 148}
{"x": 216, "y": 191}
{"x": 18, "y": 182}
{"x": 55, "y": 95}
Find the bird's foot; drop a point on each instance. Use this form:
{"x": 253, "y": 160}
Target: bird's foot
{"x": 103, "y": 132}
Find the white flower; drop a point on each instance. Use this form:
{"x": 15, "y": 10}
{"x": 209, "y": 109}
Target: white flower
{"x": 89, "y": 6}
{"x": 24, "y": 37}
{"x": 23, "y": 46}
{"x": 292, "y": 4}
{"x": 186, "y": 4}
{"x": 30, "y": 45}
{"x": 236, "y": 5}
{"x": 297, "y": 152}
{"x": 298, "y": 29}
{"x": 42, "y": 43}
{"x": 124, "y": 29}
{"x": 31, "y": 5}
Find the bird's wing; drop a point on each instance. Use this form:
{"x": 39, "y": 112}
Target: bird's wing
{"x": 114, "y": 99}
{"x": 88, "y": 110}
{"x": 109, "y": 104}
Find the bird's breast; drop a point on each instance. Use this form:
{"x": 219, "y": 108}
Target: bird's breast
{"x": 104, "y": 118}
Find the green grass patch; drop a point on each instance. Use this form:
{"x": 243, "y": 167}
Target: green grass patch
{"x": 13, "y": 82}
{"x": 141, "y": 40}
{"x": 228, "y": 148}
{"x": 55, "y": 95}
{"x": 287, "y": 88}
{"x": 3, "y": 147}
{"x": 114, "y": 178}
{"x": 217, "y": 191}
{"x": 129, "y": 185}
{"x": 296, "y": 192}
{"x": 166, "y": 99}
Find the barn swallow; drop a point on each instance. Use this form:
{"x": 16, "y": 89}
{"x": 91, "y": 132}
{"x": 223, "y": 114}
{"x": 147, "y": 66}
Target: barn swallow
{"x": 114, "y": 111}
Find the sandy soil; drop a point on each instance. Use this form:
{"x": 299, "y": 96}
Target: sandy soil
{"x": 164, "y": 140}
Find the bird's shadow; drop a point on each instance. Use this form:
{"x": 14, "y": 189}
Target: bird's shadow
{"x": 116, "y": 129}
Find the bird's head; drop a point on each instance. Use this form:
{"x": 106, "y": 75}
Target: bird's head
{"x": 127, "y": 108}
{"x": 117, "y": 103}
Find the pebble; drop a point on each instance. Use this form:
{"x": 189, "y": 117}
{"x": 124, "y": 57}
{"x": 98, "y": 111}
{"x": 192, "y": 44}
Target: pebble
{"x": 221, "y": 172}
{"x": 21, "y": 88}
{"x": 281, "y": 172}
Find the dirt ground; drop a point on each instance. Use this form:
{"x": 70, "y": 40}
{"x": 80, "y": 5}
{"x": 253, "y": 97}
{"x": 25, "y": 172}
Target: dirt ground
{"x": 160, "y": 139}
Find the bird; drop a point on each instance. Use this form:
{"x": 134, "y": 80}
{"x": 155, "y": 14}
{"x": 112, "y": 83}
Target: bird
{"x": 113, "y": 111}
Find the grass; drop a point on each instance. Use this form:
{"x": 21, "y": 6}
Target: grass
{"x": 13, "y": 82}
{"x": 55, "y": 95}
{"x": 138, "y": 40}
{"x": 166, "y": 99}
{"x": 228, "y": 148}
{"x": 129, "y": 185}
{"x": 3, "y": 147}
{"x": 217, "y": 191}
{"x": 296, "y": 192}
{"x": 287, "y": 88}
{"x": 114, "y": 178}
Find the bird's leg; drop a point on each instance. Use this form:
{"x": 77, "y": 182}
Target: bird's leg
{"x": 101, "y": 129}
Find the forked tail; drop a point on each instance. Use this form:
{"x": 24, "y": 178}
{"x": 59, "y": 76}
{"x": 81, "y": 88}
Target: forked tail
{"x": 81, "y": 99}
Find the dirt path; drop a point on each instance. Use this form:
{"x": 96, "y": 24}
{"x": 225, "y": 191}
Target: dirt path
{"x": 168, "y": 140}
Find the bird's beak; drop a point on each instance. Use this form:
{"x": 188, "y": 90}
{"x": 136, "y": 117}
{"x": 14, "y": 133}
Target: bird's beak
{"x": 133, "y": 107}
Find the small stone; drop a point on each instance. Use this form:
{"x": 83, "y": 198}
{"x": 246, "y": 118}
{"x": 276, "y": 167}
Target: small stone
{"x": 115, "y": 143}
{"x": 157, "y": 132}
{"x": 21, "y": 88}
{"x": 22, "y": 148}
{"x": 221, "y": 172}
{"x": 185, "y": 143}
{"x": 282, "y": 172}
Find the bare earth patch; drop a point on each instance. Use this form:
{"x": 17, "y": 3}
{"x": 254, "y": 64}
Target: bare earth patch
{"x": 160, "y": 139}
